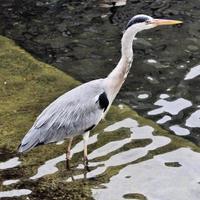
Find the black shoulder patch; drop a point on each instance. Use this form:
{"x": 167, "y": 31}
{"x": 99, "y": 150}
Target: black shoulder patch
{"x": 103, "y": 101}
{"x": 90, "y": 128}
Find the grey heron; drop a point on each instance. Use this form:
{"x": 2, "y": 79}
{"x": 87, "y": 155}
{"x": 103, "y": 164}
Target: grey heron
{"x": 79, "y": 110}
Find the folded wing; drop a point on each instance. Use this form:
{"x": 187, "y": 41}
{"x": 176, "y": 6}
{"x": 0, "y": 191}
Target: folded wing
{"x": 73, "y": 113}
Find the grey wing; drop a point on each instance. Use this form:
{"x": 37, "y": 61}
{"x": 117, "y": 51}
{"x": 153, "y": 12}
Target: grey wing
{"x": 73, "y": 113}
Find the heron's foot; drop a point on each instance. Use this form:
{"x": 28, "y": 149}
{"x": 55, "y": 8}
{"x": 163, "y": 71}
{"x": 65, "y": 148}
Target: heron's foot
{"x": 67, "y": 164}
{"x": 70, "y": 167}
{"x": 68, "y": 158}
{"x": 86, "y": 162}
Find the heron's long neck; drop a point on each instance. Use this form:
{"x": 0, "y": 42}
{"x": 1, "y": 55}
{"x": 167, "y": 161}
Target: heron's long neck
{"x": 117, "y": 77}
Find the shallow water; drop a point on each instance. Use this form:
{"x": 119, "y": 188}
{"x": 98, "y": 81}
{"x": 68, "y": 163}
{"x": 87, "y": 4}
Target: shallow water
{"x": 14, "y": 193}
{"x": 13, "y": 162}
{"x": 50, "y": 166}
{"x": 169, "y": 175}
{"x": 154, "y": 180}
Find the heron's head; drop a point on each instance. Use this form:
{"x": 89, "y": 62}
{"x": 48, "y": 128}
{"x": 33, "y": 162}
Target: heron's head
{"x": 143, "y": 22}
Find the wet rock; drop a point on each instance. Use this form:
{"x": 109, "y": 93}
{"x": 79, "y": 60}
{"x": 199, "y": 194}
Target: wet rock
{"x": 193, "y": 48}
{"x": 173, "y": 164}
{"x": 135, "y": 196}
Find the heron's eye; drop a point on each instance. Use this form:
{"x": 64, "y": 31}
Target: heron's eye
{"x": 148, "y": 22}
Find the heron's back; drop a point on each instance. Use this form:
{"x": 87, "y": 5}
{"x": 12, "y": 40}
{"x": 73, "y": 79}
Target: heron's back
{"x": 73, "y": 113}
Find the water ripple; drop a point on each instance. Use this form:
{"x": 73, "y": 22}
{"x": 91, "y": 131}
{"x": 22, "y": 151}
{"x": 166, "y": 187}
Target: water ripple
{"x": 128, "y": 156}
{"x": 155, "y": 180}
{"x": 15, "y": 193}
{"x": 13, "y": 162}
{"x": 172, "y": 107}
{"x": 50, "y": 166}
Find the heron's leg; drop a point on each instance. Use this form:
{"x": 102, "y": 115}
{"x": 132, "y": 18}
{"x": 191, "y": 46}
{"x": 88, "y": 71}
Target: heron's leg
{"x": 68, "y": 153}
{"x": 85, "y": 140}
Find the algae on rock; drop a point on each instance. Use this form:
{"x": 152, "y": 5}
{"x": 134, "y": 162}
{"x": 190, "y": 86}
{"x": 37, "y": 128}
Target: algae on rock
{"x": 27, "y": 86}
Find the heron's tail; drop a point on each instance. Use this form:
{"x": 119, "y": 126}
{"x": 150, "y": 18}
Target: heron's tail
{"x": 30, "y": 141}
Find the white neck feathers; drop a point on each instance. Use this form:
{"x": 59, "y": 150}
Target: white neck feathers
{"x": 117, "y": 77}
{"x": 125, "y": 62}
{"x": 127, "y": 43}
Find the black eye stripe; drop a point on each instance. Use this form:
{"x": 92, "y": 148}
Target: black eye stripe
{"x": 136, "y": 20}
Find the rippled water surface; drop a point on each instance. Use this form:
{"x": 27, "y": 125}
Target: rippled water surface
{"x": 169, "y": 175}
{"x": 154, "y": 179}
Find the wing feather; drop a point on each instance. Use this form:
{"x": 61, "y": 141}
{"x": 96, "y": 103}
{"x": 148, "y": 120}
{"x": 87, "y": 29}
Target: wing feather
{"x": 72, "y": 113}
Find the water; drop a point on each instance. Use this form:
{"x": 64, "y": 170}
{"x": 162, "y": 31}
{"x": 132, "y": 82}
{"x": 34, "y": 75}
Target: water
{"x": 164, "y": 119}
{"x": 14, "y": 193}
{"x": 125, "y": 157}
{"x": 171, "y": 107}
{"x": 193, "y": 73}
{"x": 13, "y": 162}
{"x": 50, "y": 166}
{"x": 9, "y": 182}
{"x": 83, "y": 39}
{"x": 194, "y": 119}
{"x": 178, "y": 130}
{"x": 175, "y": 173}
{"x": 154, "y": 180}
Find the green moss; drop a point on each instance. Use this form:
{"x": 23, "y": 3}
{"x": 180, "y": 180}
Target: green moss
{"x": 135, "y": 196}
{"x": 173, "y": 164}
{"x": 27, "y": 86}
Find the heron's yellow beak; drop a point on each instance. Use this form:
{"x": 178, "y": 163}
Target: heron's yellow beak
{"x": 160, "y": 22}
